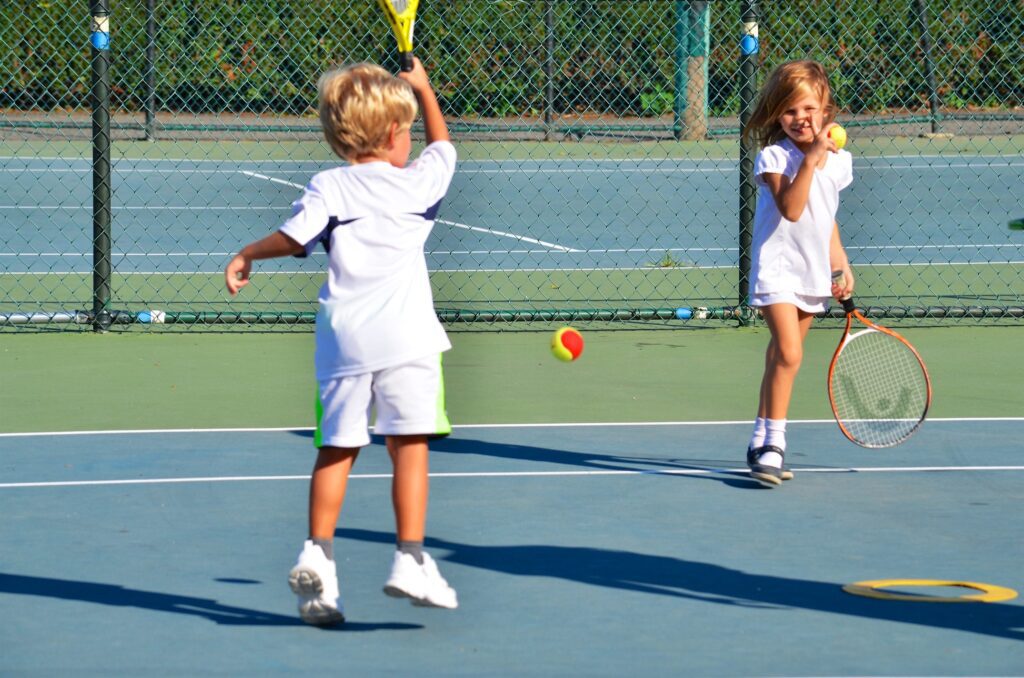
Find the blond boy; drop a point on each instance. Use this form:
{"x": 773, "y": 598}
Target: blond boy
{"x": 378, "y": 339}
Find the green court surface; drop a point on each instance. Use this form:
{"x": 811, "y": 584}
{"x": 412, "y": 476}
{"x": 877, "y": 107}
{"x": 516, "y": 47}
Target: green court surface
{"x": 115, "y": 381}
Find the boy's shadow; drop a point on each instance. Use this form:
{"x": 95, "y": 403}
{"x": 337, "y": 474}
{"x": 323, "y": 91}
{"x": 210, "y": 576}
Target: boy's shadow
{"x": 706, "y": 469}
{"x": 120, "y": 596}
{"x": 694, "y": 580}
{"x": 702, "y": 469}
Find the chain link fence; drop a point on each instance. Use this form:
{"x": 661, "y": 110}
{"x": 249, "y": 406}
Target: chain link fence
{"x": 601, "y": 175}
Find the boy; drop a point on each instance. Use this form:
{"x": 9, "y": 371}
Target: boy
{"x": 378, "y": 339}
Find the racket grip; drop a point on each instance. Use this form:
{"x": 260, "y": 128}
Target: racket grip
{"x": 839, "y": 279}
{"x": 405, "y": 61}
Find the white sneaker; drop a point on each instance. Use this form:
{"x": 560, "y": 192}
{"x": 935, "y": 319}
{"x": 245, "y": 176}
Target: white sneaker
{"x": 315, "y": 581}
{"x": 422, "y": 583}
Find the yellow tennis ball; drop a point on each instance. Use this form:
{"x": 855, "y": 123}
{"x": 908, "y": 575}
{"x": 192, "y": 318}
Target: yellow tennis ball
{"x": 566, "y": 344}
{"x": 838, "y": 135}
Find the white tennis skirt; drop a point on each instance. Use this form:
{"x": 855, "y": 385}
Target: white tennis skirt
{"x": 804, "y": 302}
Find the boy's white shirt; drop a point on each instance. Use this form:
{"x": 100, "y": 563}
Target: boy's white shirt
{"x": 793, "y": 256}
{"x": 376, "y": 306}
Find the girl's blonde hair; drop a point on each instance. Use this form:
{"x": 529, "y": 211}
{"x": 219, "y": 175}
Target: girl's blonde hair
{"x": 787, "y": 83}
{"x": 358, "y": 104}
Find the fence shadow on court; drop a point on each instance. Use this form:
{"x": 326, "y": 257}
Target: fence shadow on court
{"x": 714, "y": 584}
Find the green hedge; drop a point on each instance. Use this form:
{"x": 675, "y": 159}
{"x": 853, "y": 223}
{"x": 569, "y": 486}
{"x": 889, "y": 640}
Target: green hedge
{"x": 611, "y": 56}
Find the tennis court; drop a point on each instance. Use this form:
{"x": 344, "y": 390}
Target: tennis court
{"x": 597, "y": 517}
{"x": 594, "y": 517}
{"x": 556, "y": 233}
{"x": 181, "y": 209}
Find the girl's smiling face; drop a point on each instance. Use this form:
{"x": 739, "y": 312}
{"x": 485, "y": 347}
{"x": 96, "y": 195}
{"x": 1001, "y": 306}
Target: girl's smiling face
{"x": 802, "y": 119}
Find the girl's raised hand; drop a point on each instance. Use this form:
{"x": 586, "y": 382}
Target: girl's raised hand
{"x": 823, "y": 143}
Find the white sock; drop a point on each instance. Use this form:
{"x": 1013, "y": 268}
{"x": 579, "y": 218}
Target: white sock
{"x": 776, "y": 436}
{"x": 757, "y": 438}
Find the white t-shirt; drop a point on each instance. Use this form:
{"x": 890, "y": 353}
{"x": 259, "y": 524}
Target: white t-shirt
{"x": 376, "y": 307}
{"x": 793, "y": 256}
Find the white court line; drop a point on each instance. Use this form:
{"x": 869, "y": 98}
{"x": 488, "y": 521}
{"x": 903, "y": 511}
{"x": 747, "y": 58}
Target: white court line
{"x": 502, "y": 234}
{"x": 654, "y": 249}
{"x": 505, "y": 234}
{"x": 143, "y": 208}
{"x": 275, "y": 180}
{"x": 519, "y": 269}
{"x": 511, "y": 474}
{"x": 280, "y": 429}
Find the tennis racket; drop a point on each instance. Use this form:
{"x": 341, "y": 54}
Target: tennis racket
{"x": 401, "y": 15}
{"x": 877, "y": 383}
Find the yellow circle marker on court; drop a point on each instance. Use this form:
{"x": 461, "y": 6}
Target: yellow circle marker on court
{"x": 874, "y": 589}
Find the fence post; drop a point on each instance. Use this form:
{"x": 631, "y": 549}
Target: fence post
{"x": 549, "y": 67}
{"x": 749, "y": 48}
{"x": 149, "y": 77}
{"x": 696, "y": 117}
{"x": 680, "y": 86}
{"x": 99, "y": 39}
{"x": 929, "y": 63}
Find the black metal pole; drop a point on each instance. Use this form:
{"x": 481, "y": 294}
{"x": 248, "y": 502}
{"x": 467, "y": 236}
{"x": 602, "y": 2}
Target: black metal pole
{"x": 929, "y": 63}
{"x": 149, "y": 83}
{"x": 99, "y": 39}
{"x": 749, "y": 48}
{"x": 549, "y": 67}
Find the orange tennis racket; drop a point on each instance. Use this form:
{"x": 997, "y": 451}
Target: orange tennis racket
{"x": 878, "y": 385}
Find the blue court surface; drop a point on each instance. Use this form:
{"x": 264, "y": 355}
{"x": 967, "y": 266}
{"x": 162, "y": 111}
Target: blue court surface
{"x": 188, "y": 216}
{"x": 634, "y": 549}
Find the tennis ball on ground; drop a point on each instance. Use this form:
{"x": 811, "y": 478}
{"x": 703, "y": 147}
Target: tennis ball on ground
{"x": 1016, "y": 224}
{"x": 838, "y": 135}
{"x": 566, "y": 344}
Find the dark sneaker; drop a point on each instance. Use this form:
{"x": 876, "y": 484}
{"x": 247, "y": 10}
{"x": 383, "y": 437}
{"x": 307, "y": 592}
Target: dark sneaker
{"x": 787, "y": 473}
{"x": 768, "y": 476}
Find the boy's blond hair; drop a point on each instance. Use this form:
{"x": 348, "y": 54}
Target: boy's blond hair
{"x": 787, "y": 83}
{"x": 358, "y": 104}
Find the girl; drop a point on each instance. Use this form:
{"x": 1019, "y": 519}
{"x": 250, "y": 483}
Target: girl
{"x": 796, "y": 244}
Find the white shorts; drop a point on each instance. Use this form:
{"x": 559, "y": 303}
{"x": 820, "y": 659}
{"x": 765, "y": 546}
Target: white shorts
{"x": 408, "y": 399}
{"x": 804, "y": 302}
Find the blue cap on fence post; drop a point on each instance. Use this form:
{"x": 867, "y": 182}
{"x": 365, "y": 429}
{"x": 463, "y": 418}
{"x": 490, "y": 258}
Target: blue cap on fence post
{"x": 99, "y": 32}
{"x": 749, "y": 43}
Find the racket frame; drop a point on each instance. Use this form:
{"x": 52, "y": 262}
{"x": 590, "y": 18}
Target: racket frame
{"x": 402, "y": 25}
{"x": 852, "y": 312}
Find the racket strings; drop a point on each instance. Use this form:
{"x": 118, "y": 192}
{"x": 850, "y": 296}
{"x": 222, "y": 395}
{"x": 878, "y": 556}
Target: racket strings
{"x": 879, "y": 389}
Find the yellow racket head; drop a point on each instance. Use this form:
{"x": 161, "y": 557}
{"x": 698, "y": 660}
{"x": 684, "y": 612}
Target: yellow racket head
{"x": 401, "y": 15}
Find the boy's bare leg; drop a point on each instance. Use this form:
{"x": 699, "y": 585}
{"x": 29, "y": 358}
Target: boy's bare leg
{"x": 410, "y": 487}
{"x": 327, "y": 489}
{"x": 414, "y": 573}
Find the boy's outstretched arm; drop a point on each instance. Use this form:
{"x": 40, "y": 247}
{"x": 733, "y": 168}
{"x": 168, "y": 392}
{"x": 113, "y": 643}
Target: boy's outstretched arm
{"x": 433, "y": 120}
{"x": 277, "y": 244}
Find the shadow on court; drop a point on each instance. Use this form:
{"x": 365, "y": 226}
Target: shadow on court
{"x": 119, "y": 596}
{"x": 707, "y": 469}
{"x": 660, "y": 575}
{"x": 704, "y": 469}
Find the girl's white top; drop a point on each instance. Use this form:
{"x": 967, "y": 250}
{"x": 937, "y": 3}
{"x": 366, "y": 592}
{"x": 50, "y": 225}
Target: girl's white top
{"x": 793, "y": 256}
{"x": 376, "y": 306}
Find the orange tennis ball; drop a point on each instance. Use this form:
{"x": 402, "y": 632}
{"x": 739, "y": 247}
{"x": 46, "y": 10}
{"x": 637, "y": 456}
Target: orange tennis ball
{"x": 838, "y": 135}
{"x": 567, "y": 344}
